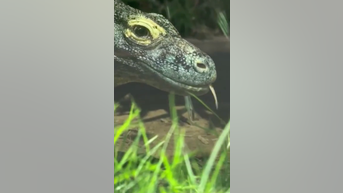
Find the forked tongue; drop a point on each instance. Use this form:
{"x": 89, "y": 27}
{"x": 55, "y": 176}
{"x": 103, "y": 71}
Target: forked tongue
{"x": 214, "y": 95}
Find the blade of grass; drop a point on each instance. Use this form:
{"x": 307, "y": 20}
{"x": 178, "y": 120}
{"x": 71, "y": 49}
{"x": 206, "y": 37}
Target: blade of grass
{"x": 210, "y": 162}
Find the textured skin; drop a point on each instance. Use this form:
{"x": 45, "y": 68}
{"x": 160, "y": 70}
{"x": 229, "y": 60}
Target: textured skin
{"x": 148, "y": 49}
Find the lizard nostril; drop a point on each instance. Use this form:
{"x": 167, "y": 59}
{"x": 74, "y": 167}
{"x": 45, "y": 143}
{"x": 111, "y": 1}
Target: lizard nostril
{"x": 201, "y": 67}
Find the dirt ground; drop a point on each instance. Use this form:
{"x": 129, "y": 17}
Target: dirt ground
{"x": 202, "y": 134}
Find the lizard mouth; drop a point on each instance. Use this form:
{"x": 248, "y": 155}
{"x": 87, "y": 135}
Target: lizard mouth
{"x": 181, "y": 88}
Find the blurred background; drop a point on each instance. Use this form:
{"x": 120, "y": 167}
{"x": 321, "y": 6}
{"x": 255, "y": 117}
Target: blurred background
{"x": 200, "y": 19}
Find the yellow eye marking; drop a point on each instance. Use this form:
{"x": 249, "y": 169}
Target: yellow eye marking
{"x": 155, "y": 30}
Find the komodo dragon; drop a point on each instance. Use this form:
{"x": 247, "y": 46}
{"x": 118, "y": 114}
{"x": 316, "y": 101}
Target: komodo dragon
{"x": 148, "y": 49}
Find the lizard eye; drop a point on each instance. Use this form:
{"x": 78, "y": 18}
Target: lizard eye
{"x": 141, "y": 31}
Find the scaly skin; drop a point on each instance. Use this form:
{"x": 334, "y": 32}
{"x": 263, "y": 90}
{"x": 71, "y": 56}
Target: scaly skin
{"x": 148, "y": 49}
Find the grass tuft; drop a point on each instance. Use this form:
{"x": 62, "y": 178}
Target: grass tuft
{"x": 151, "y": 170}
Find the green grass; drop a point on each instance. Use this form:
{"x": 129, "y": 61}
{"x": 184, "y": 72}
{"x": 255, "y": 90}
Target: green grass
{"x": 148, "y": 169}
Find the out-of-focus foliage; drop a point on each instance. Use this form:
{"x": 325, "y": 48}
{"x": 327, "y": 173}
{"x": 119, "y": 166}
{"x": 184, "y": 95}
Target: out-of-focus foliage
{"x": 196, "y": 18}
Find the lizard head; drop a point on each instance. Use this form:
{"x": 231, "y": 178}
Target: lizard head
{"x": 152, "y": 51}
